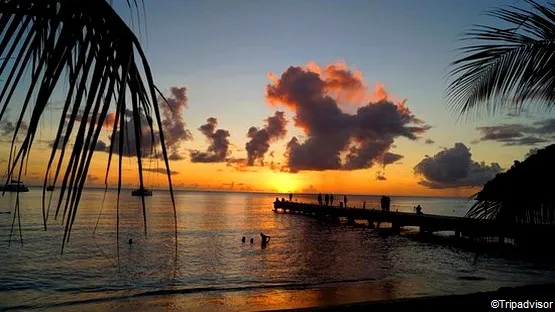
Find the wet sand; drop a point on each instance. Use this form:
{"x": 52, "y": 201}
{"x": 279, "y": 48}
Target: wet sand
{"x": 534, "y": 294}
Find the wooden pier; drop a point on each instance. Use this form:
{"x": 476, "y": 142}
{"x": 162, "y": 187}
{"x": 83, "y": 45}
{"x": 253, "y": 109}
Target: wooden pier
{"x": 461, "y": 226}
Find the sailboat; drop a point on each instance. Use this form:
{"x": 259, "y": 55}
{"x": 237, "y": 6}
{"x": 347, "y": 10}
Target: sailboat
{"x": 14, "y": 186}
{"x": 141, "y": 191}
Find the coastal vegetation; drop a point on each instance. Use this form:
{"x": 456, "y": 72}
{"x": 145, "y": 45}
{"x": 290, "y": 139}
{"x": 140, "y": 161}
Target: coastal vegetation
{"x": 510, "y": 67}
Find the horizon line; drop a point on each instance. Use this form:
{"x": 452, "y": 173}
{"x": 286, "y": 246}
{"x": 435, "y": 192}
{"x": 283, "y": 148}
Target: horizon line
{"x": 254, "y": 191}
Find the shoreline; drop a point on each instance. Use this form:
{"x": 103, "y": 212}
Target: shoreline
{"x": 532, "y": 293}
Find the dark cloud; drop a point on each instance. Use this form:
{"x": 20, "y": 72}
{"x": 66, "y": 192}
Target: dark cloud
{"x": 129, "y": 139}
{"x": 519, "y": 134}
{"x": 363, "y": 138}
{"x": 260, "y": 139}
{"x": 454, "y": 167}
{"x": 160, "y": 170}
{"x": 239, "y": 164}
{"x": 60, "y": 143}
{"x": 380, "y": 176}
{"x": 218, "y": 150}
{"x": 531, "y": 152}
{"x": 172, "y": 124}
{"x": 389, "y": 158}
{"x": 429, "y": 141}
{"x": 100, "y": 146}
{"x": 7, "y": 128}
{"x": 545, "y": 126}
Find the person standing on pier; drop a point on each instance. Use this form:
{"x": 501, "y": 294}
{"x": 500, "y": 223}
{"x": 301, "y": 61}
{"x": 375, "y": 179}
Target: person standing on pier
{"x": 345, "y": 200}
{"x": 290, "y": 196}
{"x": 331, "y": 199}
{"x": 320, "y": 199}
{"x": 327, "y": 199}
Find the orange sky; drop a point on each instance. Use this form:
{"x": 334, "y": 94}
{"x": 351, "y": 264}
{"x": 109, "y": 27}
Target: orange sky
{"x": 213, "y": 176}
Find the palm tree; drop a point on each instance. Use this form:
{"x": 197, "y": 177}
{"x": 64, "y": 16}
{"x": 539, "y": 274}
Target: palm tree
{"x": 506, "y": 67}
{"x": 105, "y": 70}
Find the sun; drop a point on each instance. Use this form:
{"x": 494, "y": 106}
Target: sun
{"x": 284, "y": 182}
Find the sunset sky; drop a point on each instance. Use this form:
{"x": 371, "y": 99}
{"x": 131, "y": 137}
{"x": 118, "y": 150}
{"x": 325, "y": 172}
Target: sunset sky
{"x": 349, "y": 96}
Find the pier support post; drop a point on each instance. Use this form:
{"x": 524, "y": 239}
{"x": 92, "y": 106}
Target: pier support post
{"x": 371, "y": 223}
{"x": 350, "y": 221}
{"x": 457, "y": 234}
{"x": 501, "y": 240}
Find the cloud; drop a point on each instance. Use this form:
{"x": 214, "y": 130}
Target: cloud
{"x": 380, "y": 176}
{"x": 310, "y": 189}
{"x": 218, "y": 150}
{"x": 148, "y": 143}
{"x": 60, "y": 143}
{"x": 100, "y": 146}
{"x": 519, "y": 134}
{"x": 429, "y": 141}
{"x": 173, "y": 126}
{"x": 260, "y": 139}
{"x": 453, "y": 168}
{"x": 532, "y": 151}
{"x": 92, "y": 178}
{"x": 8, "y": 127}
{"x": 336, "y": 140}
{"x": 160, "y": 171}
{"x": 239, "y": 164}
{"x": 389, "y": 158}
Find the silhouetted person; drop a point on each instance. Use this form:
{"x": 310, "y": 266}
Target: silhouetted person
{"x": 327, "y": 199}
{"x": 387, "y": 203}
{"x": 290, "y": 196}
{"x": 345, "y": 200}
{"x": 243, "y": 239}
{"x": 320, "y": 199}
{"x": 331, "y": 200}
{"x": 265, "y": 239}
{"x": 252, "y": 240}
{"x": 130, "y": 241}
{"x": 364, "y": 205}
{"x": 283, "y": 200}
{"x": 418, "y": 210}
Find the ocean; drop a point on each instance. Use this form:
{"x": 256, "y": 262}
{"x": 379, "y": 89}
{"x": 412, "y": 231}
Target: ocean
{"x": 307, "y": 263}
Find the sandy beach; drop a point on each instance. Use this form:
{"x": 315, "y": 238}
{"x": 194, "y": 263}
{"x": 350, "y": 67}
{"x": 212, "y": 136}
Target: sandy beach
{"x": 540, "y": 296}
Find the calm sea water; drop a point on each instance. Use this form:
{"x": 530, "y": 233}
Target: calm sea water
{"x": 307, "y": 263}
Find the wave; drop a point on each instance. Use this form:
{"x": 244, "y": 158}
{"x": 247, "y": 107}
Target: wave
{"x": 194, "y": 290}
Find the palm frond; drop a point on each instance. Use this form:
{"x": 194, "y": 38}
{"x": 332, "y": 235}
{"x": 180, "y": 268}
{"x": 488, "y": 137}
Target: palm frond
{"x": 506, "y": 67}
{"x": 89, "y": 41}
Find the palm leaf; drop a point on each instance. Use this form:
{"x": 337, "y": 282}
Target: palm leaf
{"x": 506, "y": 68}
{"x": 94, "y": 46}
